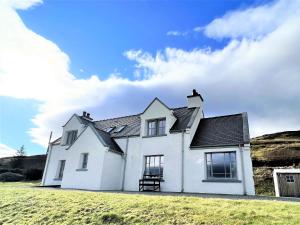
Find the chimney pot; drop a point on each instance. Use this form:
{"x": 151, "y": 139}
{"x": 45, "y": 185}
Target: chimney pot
{"x": 88, "y": 115}
{"x": 84, "y": 113}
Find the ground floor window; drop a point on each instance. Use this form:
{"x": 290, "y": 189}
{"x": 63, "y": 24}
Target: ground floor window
{"x": 84, "y": 160}
{"x": 221, "y": 165}
{"x": 61, "y": 168}
{"x": 154, "y": 166}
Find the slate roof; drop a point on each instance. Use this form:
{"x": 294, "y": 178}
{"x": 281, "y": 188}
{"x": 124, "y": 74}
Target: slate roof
{"x": 230, "y": 130}
{"x": 108, "y": 141}
{"x": 184, "y": 115}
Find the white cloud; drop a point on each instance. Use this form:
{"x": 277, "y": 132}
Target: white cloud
{"x": 6, "y": 151}
{"x": 176, "y": 33}
{"x": 260, "y": 76}
{"x": 20, "y": 4}
{"x": 253, "y": 22}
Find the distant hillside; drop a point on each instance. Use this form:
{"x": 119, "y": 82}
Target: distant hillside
{"x": 278, "y": 149}
{"x": 270, "y": 151}
{"x": 28, "y": 162}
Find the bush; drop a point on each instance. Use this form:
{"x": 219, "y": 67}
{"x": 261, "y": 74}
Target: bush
{"x": 4, "y": 170}
{"x": 9, "y": 176}
{"x": 33, "y": 174}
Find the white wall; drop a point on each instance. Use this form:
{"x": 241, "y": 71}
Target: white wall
{"x": 57, "y": 153}
{"x": 73, "y": 124}
{"x": 90, "y": 179}
{"x": 195, "y": 173}
{"x": 111, "y": 178}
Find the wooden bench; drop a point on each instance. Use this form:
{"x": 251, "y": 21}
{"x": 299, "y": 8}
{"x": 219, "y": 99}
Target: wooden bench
{"x": 149, "y": 183}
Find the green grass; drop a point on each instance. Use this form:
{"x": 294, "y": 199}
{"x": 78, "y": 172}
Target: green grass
{"x": 23, "y": 205}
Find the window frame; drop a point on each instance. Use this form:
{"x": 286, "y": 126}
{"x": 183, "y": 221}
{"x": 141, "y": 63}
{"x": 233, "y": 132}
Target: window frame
{"x": 157, "y": 127}
{"x": 71, "y": 139}
{"x": 290, "y": 178}
{"x": 161, "y": 165}
{"x": 209, "y": 173}
{"x": 61, "y": 168}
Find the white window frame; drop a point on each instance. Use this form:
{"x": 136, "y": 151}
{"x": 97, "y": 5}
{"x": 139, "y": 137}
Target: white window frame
{"x": 156, "y": 127}
{"x": 71, "y": 136}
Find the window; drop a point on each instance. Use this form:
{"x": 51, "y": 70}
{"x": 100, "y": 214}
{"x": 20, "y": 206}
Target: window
{"x": 290, "y": 179}
{"x": 156, "y": 127}
{"x": 221, "y": 165}
{"x": 61, "y": 169}
{"x": 119, "y": 129}
{"x": 154, "y": 166}
{"x": 84, "y": 160}
{"x": 71, "y": 136}
{"x": 109, "y": 129}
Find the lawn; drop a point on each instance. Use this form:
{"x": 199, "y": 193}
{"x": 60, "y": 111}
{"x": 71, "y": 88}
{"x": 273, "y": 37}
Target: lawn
{"x": 25, "y": 205}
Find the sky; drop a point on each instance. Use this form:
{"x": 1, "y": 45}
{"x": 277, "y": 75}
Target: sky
{"x": 111, "y": 58}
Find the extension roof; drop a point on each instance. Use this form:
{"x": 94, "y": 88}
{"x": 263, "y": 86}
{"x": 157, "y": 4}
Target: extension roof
{"x": 230, "y": 130}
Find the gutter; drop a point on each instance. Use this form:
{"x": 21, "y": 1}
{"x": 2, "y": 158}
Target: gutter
{"x": 243, "y": 170}
{"x": 182, "y": 161}
{"x": 125, "y": 163}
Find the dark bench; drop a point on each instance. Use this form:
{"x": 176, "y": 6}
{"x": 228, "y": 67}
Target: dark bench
{"x": 149, "y": 183}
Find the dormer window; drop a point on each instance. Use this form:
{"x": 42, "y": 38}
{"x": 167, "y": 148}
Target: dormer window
{"x": 156, "y": 127}
{"x": 71, "y": 136}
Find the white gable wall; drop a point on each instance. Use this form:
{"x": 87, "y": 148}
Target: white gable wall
{"x": 72, "y": 124}
{"x": 157, "y": 110}
{"x": 90, "y": 179}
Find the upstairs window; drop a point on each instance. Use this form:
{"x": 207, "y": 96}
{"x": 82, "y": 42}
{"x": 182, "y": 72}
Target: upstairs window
{"x": 154, "y": 166}
{"x": 221, "y": 165}
{"x": 156, "y": 127}
{"x": 71, "y": 136}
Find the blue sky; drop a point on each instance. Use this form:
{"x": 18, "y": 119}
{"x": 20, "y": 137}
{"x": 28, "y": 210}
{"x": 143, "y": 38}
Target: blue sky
{"x": 124, "y": 42}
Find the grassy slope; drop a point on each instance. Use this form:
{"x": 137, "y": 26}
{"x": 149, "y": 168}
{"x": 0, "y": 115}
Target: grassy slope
{"x": 273, "y": 151}
{"x": 42, "y": 206}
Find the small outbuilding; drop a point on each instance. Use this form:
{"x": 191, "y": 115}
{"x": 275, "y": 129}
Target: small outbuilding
{"x": 287, "y": 182}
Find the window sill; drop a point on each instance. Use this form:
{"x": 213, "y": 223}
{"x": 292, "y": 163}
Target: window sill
{"x": 57, "y": 179}
{"x": 81, "y": 169}
{"x": 220, "y": 180}
{"x": 162, "y": 135}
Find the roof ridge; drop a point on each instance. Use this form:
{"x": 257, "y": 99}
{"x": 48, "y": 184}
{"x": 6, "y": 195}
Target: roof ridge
{"x": 223, "y": 116}
{"x": 118, "y": 117}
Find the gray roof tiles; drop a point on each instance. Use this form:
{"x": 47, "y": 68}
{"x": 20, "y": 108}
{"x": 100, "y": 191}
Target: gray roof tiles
{"x": 228, "y": 130}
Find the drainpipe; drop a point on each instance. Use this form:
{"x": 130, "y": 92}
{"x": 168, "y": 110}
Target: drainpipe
{"x": 49, "y": 150}
{"x": 125, "y": 162}
{"x": 243, "y": 170}
{"x": 182, "y": 161}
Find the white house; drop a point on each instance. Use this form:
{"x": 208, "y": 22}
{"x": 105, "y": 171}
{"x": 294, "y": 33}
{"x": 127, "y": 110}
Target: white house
{"x": 162, "y": 148}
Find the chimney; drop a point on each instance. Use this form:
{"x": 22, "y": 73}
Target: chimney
{"x": 86, "y": 115}
{"x": 194, "y": 100}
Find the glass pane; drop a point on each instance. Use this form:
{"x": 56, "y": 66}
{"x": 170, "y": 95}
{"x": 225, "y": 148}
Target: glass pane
{"x": 218, "y": 165}
{"x": 161, "y": 126}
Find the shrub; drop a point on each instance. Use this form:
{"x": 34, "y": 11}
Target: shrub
{"x": 9, "y": 176}
{"x": 33, "y": 174}
{"x": 4, "y": 170}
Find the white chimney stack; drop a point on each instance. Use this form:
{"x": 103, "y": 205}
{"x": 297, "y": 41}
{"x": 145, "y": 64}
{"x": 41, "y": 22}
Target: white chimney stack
{"x": 194, "y": 100}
